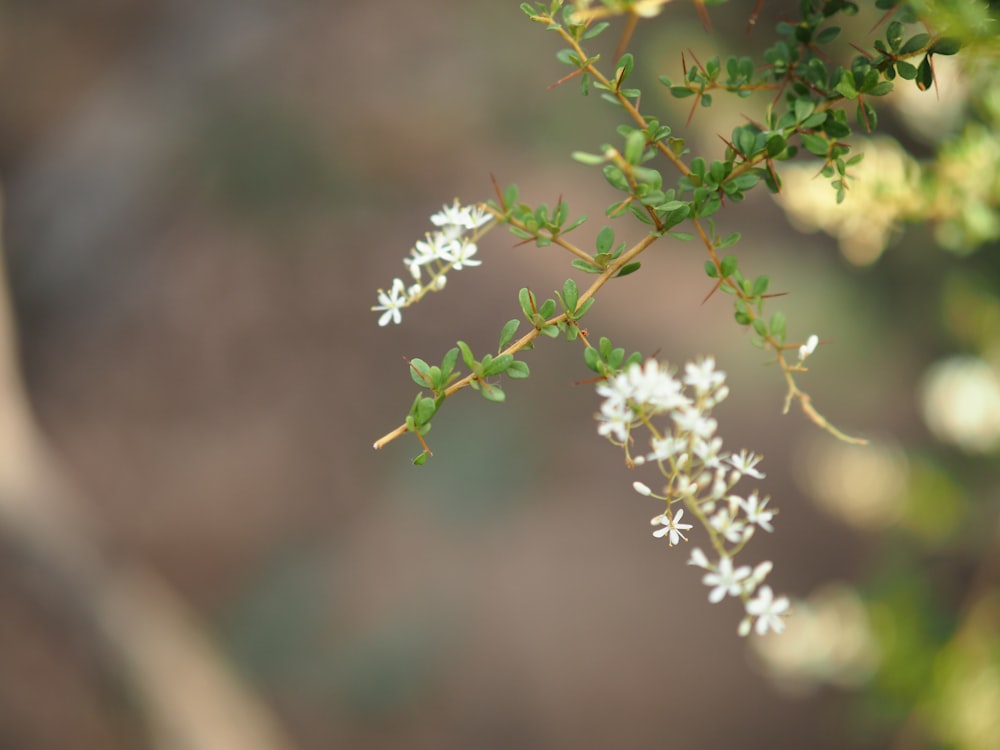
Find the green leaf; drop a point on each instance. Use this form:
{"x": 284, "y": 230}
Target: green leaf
{"x": 422, "y": 458}
{"x": 906, "y": 70}
{"x": 914, "y": 44}
{"x": 729, "y": 264}
{"x": 425, "y": 410}
{"x": 582, "y": 309}
{"x": 510, "y": 194}
{"x": 420, "y": 371}
{"x": 518, "y": 370}
{"x": 803, "y": 108}
{"x": 528, "y": 303}
{"x": 498, "y": 365}
{"x": 680, "y": 92}
{"x": 594, "y": 30}
{"x": 629, "y": 268}
{"x": 729, "y": 241}
{"x": 814, "y": 120}
{"x": 625, "y": 64}
{"x": 507, "y": 333}
{"x": 492, "y": 392}
{"x": 467, "y": 357}
{"x": 760, "y": 327}
{"x": 827, "y": 35}
{"x": 635, "y": 144}
{"x": 760, "y": 285}
{"x": 605, "y": 347}
{"x": 449, "y": 361}
{"x": 605, "y": 239}
{"x": 845, "y": 87}
{"x": 946, "y": 46}
{"x": 776, "y": 325}
{"x": 775, "y": 145}
{"x": 925, "y": 74}
{"x": 589, "y": 159}
{"x": 570, "y": 295}
{"x": 615, "y": 177}
{"x": 894, "y": 35}
{"x": 745, "y": 181}
{"x": 815, "y": 144}
{"x": 710, "y": 270}
{"x": 581, "y": 265}
{"x": 548, "y": 307}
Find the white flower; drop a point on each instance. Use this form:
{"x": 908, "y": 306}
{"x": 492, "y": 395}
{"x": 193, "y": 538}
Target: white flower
{"x": 672, "y": 527}
{"x": 692, "y": 421}
{"x": 654, "y": 386}
{"x": 698, "y": 558}
{"x": 391, "y": 302}
{"x": 809, "y": 347}
{"x": 702, "y": 376}
{"x": 453, "y": 215}
{"x": 726, "y": 580}
{"x": 615, "y": 418}
{"x": 756, "y": 511}
{"x": 436, "y": 247}
{"x": 708, "y": 451}
{"x": 666, "y": 447}
{"x": 756, "y": 578}
{"x": 476, "y": 217}
{"x": 685, "y": 486}
{"x": 460, "y": 254}
{"x": 744, "y": 463}
{"x": 768, "y": 610}
{"x": 730, "y": 528}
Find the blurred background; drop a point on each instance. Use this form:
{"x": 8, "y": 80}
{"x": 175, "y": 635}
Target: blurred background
{"x": 199, "y": 547}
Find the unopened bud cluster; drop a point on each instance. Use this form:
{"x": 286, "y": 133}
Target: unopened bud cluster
{"x": 696, "y": 474}
{"x": 450, "y": 247}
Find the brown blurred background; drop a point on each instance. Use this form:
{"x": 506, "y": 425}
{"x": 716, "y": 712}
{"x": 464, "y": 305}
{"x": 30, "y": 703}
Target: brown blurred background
{"x": 200, "y": 201}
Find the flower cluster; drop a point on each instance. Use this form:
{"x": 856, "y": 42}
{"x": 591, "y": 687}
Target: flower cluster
{"x": 697, "y": 474}
{"x": 450, "y": 247}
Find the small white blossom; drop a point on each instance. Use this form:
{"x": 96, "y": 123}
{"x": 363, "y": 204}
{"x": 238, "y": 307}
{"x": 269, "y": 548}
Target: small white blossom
{"x": 708, "y": 451}
{"x": 652, "y": 385}
{"x": 477, "y": 216}
{"x": 730, "y": 528}
{"x": 768, "y": 610}
{"x": 757, "y": 512}
{"x": 615, "y": 418}
{"x": 453, "y": 215}
{"x": 685, "y": 486}
{"x": 809, "y": 347}
{"x": 703, "y": 377}
{"x": 699, "y": 559}
{"x": 666, "y": 447}
{"x": 391, "y": 302}
{"x": 756, "y": 578}
{"x": 673, "y": 529}
{"x": 745, "y": 464}
{"x": 460, "y": 254}
{"x": 437, "y": 246}
{"x": 694, "y": 422}
{"x": 725, "y": 580}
